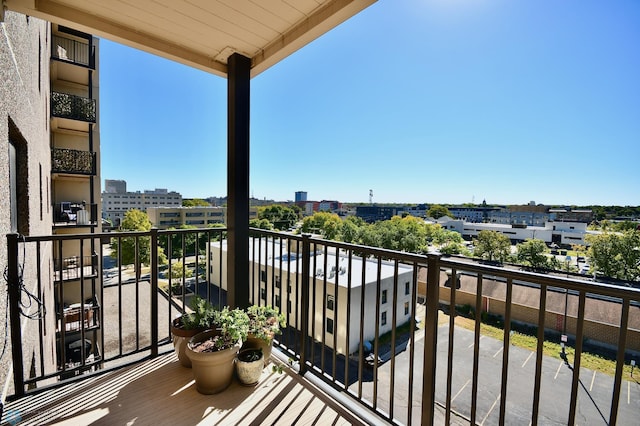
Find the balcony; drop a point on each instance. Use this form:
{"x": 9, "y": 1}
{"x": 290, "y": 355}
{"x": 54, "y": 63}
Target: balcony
{"x": 369, "y": 339}
{"x": 70, "y": 214}
{"x": 72, "y": 161}
{"x": 72, "y": 107}
{"x": 73, "y": 51}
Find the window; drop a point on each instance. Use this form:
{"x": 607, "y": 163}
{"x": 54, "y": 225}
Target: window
{"x": 263, "y": 276}
{"x": 277, "y": 300}
{"x": 263, "y": 294}
{"x": 278, "y": 281}
{"x": 384, "y": 296}
{"x": 289, "y": 305}
{"x": 406, "y": 308}
{"x": 384, "y": 318}
{"x": 330, "y": 302}
{"x": 406, "y": 288}
{"x": 330, "y": 325}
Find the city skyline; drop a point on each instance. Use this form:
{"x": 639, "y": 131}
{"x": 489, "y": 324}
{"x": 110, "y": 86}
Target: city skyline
{"x": 498, "y": 101}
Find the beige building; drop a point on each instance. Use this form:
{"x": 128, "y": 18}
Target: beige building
{"x": 200, "y": 217}
{"x": 275, "y": 279}
{"x": 49, "y": 180}
{"x": 117, "y": 201}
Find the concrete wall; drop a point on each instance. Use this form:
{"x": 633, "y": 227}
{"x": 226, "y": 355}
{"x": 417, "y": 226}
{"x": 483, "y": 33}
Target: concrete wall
{"x": 601, "y": 319}
{"x": 24, "y": 118}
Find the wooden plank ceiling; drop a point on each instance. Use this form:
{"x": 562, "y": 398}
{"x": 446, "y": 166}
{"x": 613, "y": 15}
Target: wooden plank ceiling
{"x": 201, "y": 33}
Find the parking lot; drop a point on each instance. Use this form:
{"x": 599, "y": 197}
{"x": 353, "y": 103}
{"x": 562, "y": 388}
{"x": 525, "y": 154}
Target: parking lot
{"x": 594, "y": 390}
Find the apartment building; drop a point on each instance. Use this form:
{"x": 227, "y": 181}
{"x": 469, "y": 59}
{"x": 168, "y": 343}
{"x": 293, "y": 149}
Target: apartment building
{"x": 276, "y": 279}
{"x": 200, "y": 216}
{"x": 117, "y": 201}
{"x": 49, "y": 153}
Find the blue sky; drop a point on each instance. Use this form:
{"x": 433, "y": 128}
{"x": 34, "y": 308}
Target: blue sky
{"x": 436, "y": 101}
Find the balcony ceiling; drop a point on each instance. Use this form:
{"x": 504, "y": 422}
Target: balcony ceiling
{"x": 201, "y": 33}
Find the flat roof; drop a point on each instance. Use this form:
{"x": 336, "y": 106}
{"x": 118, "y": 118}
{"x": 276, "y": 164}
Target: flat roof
{"x": 281, "y": 256}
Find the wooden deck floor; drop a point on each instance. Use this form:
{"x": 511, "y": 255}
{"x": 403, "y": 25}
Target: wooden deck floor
{"x": 162, "y": 392}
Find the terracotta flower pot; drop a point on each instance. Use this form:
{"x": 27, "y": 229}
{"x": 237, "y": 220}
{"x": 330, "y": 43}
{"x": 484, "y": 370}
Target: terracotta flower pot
{"x": 212, "y": 371}
{"x": 249, "y": 366}
{"x": 257, "y": 343}
{"x": 180, "y": 339}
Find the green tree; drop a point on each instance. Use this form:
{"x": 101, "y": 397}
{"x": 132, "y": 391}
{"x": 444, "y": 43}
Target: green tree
{"x": 178, "y": 271}
{"x": 281, "y": 217}
{"x": 533, "y": 253}
{"x": 437, "y": 211}
{"x": 615, "y": 255}
{"x": 492, "y": 246}
{"x": 351, "y": 229}
{"x": 325, "y": 223}
{"x": 195, "y": 202}
{"x": 124, "y": 249}
{"x": 261, "y": 224}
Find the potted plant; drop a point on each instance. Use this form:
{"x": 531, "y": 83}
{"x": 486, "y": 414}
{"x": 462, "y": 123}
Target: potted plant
{"x": 249, "y": 366}
{"x": 212, "y": 352}
{"x": 189, "y": 324}
{"x": 265, "y": 322}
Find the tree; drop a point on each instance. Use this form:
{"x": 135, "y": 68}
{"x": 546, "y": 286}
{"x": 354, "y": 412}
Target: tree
{"x": 616, "y": 255}
{"x": 195, "y": 202}
{"x": 178, "y": 271}
{"x": 437, "y": 211}
{"x": 350, "y": 229}
{"x": 533, "y": 253}
{"x": 492, "y": 246}
{"x": 261, "y": 224}
{"x": 281, "y": 217}
{"x": 325, "y": 223}
{"x": 124, "y": 249}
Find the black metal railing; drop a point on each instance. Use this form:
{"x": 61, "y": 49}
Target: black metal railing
{"x": 73, "y": 161}
{"x": 74, "y": 51}
{"x": 65, "y": 105}
{"x": 385, "y": 328}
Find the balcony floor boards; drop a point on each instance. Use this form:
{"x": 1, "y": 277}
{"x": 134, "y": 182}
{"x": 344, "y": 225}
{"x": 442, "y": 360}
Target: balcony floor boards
{"x": 160, "y": 391}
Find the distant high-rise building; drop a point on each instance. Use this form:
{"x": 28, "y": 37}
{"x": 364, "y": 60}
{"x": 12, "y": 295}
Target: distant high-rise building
{"x": 301, "y": 196}
{"x": 112, "y": 186}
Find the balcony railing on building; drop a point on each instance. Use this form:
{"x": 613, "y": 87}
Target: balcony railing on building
{"x": 73, "y": 51}
{"x": 361, "y": 320}
{"x": 73, "y": 107}
{"x": 73, "y": 161}
{"x": 75, "y": 213}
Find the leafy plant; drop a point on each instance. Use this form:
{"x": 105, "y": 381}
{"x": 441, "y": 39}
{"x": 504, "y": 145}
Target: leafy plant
{"x": 233, "y": 326}
{"x": 265, "y": 322}
{"x": 250, "y": 355}
{"x": 202, "y": 315}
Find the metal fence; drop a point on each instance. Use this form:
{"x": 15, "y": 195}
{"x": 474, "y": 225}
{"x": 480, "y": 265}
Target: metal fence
{"x": 358, "y": 318}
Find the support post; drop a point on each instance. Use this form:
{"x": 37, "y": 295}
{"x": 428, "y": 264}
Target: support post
{"x": 430, "y": 341}
{"x": 304, "y": 302}
{"x": 238, "y": 91}
{"x": 154, "y": 292}
{"x": 14, "y": 311}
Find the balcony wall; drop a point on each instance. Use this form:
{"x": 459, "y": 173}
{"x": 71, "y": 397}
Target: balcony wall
{"x": 64, "y": 105}
{"x": 73, "y": 161}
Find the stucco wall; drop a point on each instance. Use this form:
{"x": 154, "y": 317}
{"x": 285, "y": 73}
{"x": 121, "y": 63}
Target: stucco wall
{"x": 24, "y": 114}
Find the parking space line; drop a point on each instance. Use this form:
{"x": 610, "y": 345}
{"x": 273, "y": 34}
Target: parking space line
{"x": 558, "y": 370}
{"x": 490, "y": 410}
{"x": 471, "y": 345}
{"x": 498, "y": 353}
{"x": 461, "y": 389}
{"x": 593, "y": 379}
{"x": 527, "y": 360}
